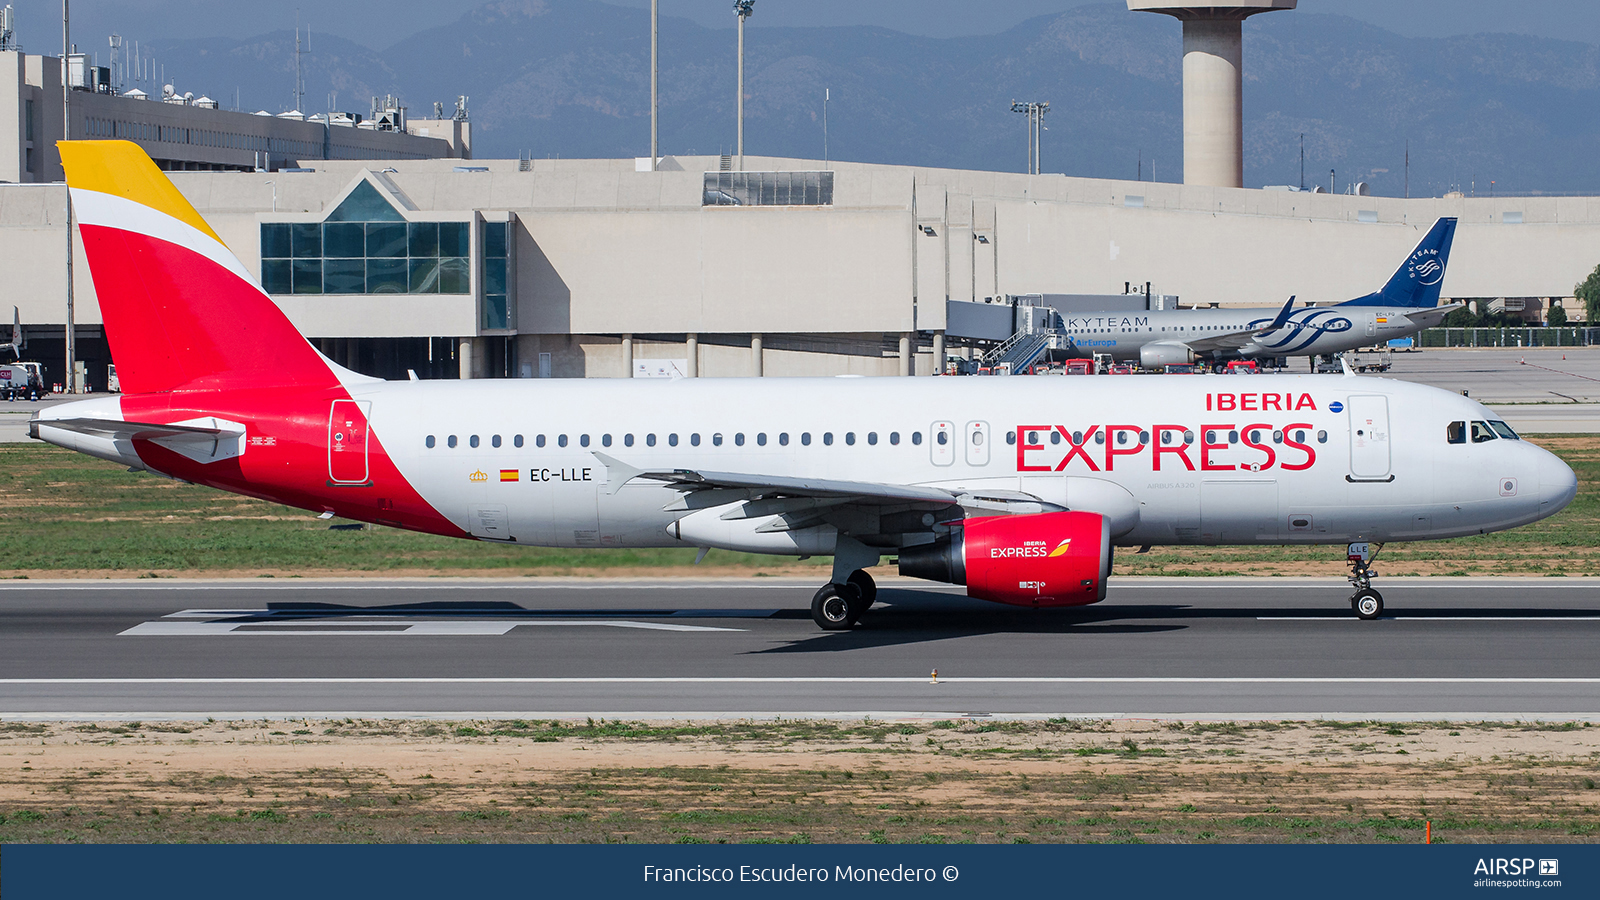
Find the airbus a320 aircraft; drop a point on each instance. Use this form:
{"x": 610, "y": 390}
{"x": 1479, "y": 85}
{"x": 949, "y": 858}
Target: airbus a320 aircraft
{"x": 1407, "y": 303}
{"x": 1018, "y": 489}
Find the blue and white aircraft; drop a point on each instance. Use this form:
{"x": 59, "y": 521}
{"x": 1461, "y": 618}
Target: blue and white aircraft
{"x": 1408, "y": 303}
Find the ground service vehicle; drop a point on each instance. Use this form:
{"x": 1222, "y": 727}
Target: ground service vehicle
{"x": 22, "y": 381}
{"x": 1019, "y": 489}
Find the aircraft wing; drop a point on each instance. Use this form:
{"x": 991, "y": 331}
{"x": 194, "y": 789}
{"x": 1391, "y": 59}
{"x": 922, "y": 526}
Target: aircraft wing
{"x": 1430, "y": 318}
{"x": 831, "y": 491}
{"x": 120, "y": 430}
{"x": 1236, "y": 340}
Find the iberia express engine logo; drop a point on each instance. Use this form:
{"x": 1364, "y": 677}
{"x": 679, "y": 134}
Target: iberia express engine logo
{"x": 1030, "y": 550}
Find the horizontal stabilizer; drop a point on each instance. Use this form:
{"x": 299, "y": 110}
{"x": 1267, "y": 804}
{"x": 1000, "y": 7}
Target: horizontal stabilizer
{"x": 144, "y": 431}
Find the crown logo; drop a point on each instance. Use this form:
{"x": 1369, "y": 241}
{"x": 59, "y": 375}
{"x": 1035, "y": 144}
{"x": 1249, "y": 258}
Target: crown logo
{"x": 479, "y": 475}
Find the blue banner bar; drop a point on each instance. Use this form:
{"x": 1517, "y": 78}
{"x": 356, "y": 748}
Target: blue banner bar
{"x": 248, "y": 872}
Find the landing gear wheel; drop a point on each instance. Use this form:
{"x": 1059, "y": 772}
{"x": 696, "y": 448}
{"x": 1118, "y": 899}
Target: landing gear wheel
{"x": 832, "y": 606}
{"x": 866, "y": 589}
{"x": 1367, "y": 603}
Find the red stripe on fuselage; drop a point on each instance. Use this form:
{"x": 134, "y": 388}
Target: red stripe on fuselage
{"x": 192, "y": 339}
{"x": 286, "y": 456}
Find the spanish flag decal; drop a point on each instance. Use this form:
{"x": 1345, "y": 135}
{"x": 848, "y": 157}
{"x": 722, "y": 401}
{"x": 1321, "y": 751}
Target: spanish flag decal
{"x": 1061, "y": 548}
{"x": 508, "y": 474}
{"x": 1382, "y": 320}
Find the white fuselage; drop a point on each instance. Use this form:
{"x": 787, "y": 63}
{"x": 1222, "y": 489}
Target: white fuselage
{"x": 1268, "y": 459}
{"x": 1309, "y": 332}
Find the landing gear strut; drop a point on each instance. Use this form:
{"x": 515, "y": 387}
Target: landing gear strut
{"x": 1367, "y": 603}
{"x": 838, "y": 607}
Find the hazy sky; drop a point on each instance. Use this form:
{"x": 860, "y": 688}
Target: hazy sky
{"x": 380, "y": 23}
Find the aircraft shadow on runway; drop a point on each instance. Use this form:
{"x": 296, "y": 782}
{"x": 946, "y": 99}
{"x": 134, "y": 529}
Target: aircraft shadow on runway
{"x": 911, "y": 616}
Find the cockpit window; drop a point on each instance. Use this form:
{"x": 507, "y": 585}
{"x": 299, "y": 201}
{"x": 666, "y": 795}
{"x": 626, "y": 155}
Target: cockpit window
{"x": 1503, "y": 430}
{"x": 1456, "y": 432}
{"x": 1481, "y": 432}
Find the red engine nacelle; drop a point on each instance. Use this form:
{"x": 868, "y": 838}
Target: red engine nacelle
{"x": 1048, "y": 559}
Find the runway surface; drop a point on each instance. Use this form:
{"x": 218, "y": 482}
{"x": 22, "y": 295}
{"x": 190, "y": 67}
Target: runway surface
{"x": 1188, "y": 648}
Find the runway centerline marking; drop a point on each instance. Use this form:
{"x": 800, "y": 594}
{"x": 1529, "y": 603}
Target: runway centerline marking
{"x": 809, "y": 679}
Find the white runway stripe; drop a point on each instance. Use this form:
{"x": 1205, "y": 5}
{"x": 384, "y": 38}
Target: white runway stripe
{"x": 419, "y": 629}
{"x": 810, "y": 679}
{"x": 1341, "y": 618}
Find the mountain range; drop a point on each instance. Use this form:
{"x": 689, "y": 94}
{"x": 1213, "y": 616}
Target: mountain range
{"x": 571, "y": 78}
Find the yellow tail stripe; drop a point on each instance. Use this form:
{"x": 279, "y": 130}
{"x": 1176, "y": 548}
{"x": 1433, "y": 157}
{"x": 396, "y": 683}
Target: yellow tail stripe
{"x": 121, "y": 169}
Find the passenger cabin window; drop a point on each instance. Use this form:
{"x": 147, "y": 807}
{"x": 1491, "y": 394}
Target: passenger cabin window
{"x": 738, "y": 439}
{"x": 605, "y": 440}
{"x": 494, "y": 440}
{"x": 1011, "y": 438}
{"x": 451, "y": 441}
{"x": 538, "y": 440}
{"x": 850, "y": 438}
{"x": 805, "y": 438}
{"x": 583, "y": 440}
{"x": 473, "y": 441}
{"x": 894, "y": 438}
{"x": 761, "y": 439}
{"x": 516, "y": 440}
{"x": 672, "y": 440}
{"x": 627, "y": 440}
{"x": 649, "y": 440}
{"x": 1481, "y": 432}
{"x": 429, "y": 442}
{"x": 561, "y": 440}
{"x": 694, "y": 439}
{"x": 716, "y": 439}
{"x": 1322, "y": 437}
{"x": 872, "y": 438}
{"x": 827, "y": 438}
{"x": 783, "y": 438}
{"x": 916, "y": 438}
{"x": 943, "y": 438}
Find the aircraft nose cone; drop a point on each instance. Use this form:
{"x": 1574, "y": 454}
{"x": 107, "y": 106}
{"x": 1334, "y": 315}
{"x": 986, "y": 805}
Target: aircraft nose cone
{"x": 1558, "y": 484}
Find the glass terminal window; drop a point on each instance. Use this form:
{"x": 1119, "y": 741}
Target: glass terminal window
{"x": 365, "y": 246}
{"x": 768, "y": 189}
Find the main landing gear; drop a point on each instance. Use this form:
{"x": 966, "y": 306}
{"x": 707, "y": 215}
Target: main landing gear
{"x": 837, "y": 607}
{"x": 1367, "y": 603}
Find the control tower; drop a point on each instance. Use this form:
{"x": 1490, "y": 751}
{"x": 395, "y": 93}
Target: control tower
{"x": 1213, "y": 119}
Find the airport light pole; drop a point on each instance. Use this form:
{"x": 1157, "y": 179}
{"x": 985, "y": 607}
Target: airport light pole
{"x": 66, "y": 135}
{"x": 655, "y": 95}
{"x": 744, "y": 9}
{"x": 827, "y": 94}
{"x": 1035, "y": 112}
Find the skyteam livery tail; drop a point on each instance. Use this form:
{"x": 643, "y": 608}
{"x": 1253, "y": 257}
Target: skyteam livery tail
{"x": 1416, "y": 283}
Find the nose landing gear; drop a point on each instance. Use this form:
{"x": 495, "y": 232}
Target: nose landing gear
{"x": 1367, "y": 603}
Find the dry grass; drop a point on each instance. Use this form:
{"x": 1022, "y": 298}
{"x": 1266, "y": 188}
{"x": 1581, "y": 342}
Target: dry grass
{"x": 803, "y": 781}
